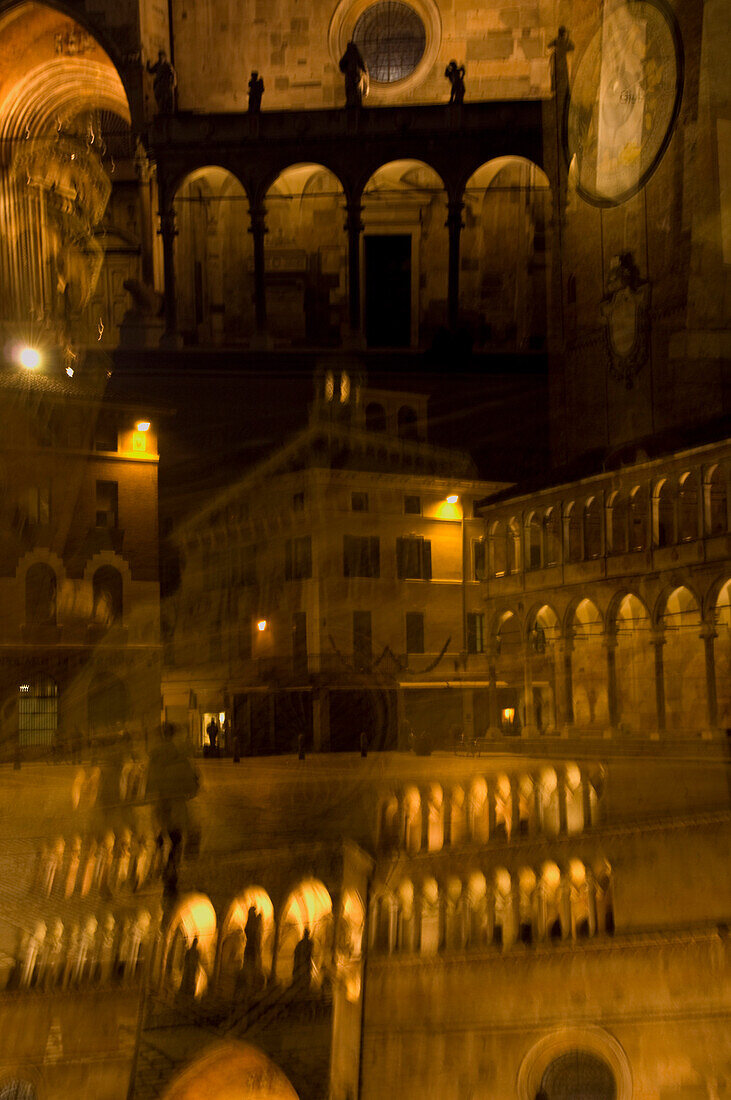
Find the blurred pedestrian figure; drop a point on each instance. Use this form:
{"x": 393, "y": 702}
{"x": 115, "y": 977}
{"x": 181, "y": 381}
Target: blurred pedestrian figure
{"x": 302, "y": 969}
{"x": 252, "y": 949}
{"x": 256, "y": 91}
{"x": 354, "y": 69}
{"x": 455, "y": 75}
{"x": 172, "y": 781}
{"x": 191, "y": 963}
{"x": 212, "y": 734}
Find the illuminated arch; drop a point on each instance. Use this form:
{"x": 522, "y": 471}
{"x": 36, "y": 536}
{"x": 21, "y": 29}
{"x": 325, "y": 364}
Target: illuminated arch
{"x": 225, "y": 1069}
{"x": 591, "y": 1040}
{"x": 194, "y": 918}
{"x": 309, "y": 906}
{"x": 232, "y": 939}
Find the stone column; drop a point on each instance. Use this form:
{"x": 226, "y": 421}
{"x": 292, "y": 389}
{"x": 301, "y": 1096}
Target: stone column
{"x": 490, "y": 806}
{"x": 708, "y": 635}
{"x": 258, "y": 230}
{"x": 586, "y": 799}
{"x": 529, "y": 727}
{"x": 424, "y": 795}
{"x": 446, "y": 819}
{"x": 354, "y": 228}
{"x": 455, "y": 225}
{"x": 658, "y": 641}
{"x": 494, "y": 730}
{"x": 561, "y": 795}
{"x": 565, "y": 679}
{"x": 142, "y": 167}
{"x": 610, "y": 643}
{"x": 169, "y": 233}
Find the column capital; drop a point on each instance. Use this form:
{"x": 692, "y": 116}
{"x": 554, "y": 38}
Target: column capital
{"x": 708, "y": 632}
{"x": 657, "y": 636}
{"x": 454, "y": 215}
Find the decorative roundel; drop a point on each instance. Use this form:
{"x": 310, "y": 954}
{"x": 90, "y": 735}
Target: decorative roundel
{"x": 624, "y": 99}
{"x": 392, "y": 39}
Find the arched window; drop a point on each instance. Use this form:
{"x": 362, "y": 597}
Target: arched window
{"x": 664, "y": 515}
{"x": 407, "y": 423}
{"x": 578, "y": 1073}
{"x": 514, "y": 546}
{"x": 107, "y": 586}
{"x": 688, "y": 508}
{"x": 550, "y": 538}
{"x": 717, "y": 502}
{"x": 40, "y": 596}
{"x": 618, "y": 523}
{"x": 37, "y": 711}
{"x": 637, "y": 519}
{"x": 592, "y": 528}
{"x": 375, "y": 417}
{"x": 499, "y": 549}
{"x": 533, "y": 534}
{"x": 573, "y": 533}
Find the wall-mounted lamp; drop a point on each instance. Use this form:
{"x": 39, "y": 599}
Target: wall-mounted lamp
{"x": 261, "y": 625}
{"x": 142, "y": 426}
{"x": 508, "y": 714}
{"x": 452, "y": 498}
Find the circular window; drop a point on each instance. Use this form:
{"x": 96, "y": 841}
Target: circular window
{"x": 578, "y": 1073}
{"x": 392, "y": 39}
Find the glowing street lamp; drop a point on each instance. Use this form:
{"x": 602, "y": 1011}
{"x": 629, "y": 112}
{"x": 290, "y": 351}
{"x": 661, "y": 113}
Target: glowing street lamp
{"x": 142, "y": 425}
{"x": 452, "y": 499}
{"x": 29, "y": 357}
{"x": 261, "y": 625}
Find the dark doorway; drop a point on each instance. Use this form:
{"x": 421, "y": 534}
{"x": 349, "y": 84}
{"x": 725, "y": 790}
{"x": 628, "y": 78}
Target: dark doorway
{"x": 370, "y": 711}
{"x": 388, "y": 291}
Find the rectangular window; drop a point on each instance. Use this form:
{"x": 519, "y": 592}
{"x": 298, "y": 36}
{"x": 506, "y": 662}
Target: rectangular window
{"x": 475, "y": 632}
{"x": 359, "y": 502}
{"x": 361, "y": 556}
{"x": 107, "y": 504}
{"x": 413, "y": 558}
{"x": 414, "y": 632}
{"x": 298, "y": 559}
{"x": 479, "y": 559}
{"x": 244, "y": 638}
{"x": 38, "y": 504}
{"x": 298, "y": 502}
{"x": 362, "y": 641}
{"x": 243, "y": 566}
{"x": 105, "y": 434}
{"x": 412, "y": 506}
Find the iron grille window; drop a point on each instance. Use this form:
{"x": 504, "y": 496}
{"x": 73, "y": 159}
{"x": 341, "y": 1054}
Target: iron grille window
{"x": 361, "y": 556}
{"x": 392, "y": 39}
{"x": 475, "y": 632}
{"x": 37, "y": 712}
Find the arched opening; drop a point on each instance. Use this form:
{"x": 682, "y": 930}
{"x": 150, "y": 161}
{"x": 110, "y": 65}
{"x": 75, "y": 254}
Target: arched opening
{"x": 72, "y": 209}
{"x": 499, "y": 555}
{"x": 526, "y": 929}
{"x": 430, "y": 930}
{"x": 384, "y": 923}
{"x": 589, "y": 667}
{"x": 533, "y": 542}
{"x": 213, "y": 259}
{"x": 573, "y": 532}
{"x": 503, "y": 807}
{"x": 190, "y": 947}
{"x": 688, "y": 514}
{"x": 246, "y": 944}
{"x": 478, "y": 931}
{"x": 477, "y": 811}
{"x": 542, "y": 638}
{"x": 107, "y": 596}
{"x": 375, "y": 417}
{"x": 578, "y": 1073}
{"x": 665, "y": 515}
{"x": 573, "y": 794}
{"x": 618, "y": 524}
{"x": 457, "y": 816}
{"x": 514, "y": 558}
{"x": 306, "y": 257}
{"x": 454, "y": 915}
{"x": 40, "y": 596}
{"x": 435, "y": 810}
{"x": 684, "y": 663}
{"x": 404, "y": 255}
{"x": 548, "y": 799}
{"x": 504, "y": 255}
{"x": 37, "y": 712}
{"x": 407, "y": 931}
{"x": 220, "y": 1070}
{"x": 503, "y": 918}
{"x": 411, "y": 821}
{"x": 388, "y": 824}
{"x": 305, "y": 936}
{"x": 551, "y": 538}
{"x": 583, "y": 921}
{"x": 550, "y": 901}
{"x": 592, "y": 528}
{"x": 722, "y": 618}
{"x": 717, "y": 507}
{"x": 638, "y": 519}
{"x": 635, "y": 666}
{"x": 510, "y": 656}
{"x": 407, "y": 423}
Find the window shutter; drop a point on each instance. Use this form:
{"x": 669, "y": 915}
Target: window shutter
{"x": 375, "y": 563}
{"x": 288, "y": 561}
{"x": 471, "y": 633}
{"x": 401, "y": 547}
{"x": 426, "y": 560}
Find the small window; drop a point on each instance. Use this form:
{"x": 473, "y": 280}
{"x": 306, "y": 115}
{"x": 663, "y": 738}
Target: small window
{"x": 298, "y": 559}
{"x": 414, "y": 632}
{"x": 108, "y": 596}
{"x": 105, "y": 435}
{"x": 361, "y": 556}
{"x": 38, "y": 504}
{"x": 359, "y": 502}
{"x": 298, "y": 502}
{"x": 479, "y": 559}
{"x": 412, "y": 506}
{"x": 413, "y": 558}
{"x": 37, "y": 711}
{"x": 107, "y": 504}
{"x": 475, "y": 632}
{"x": 243, "y": 566}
